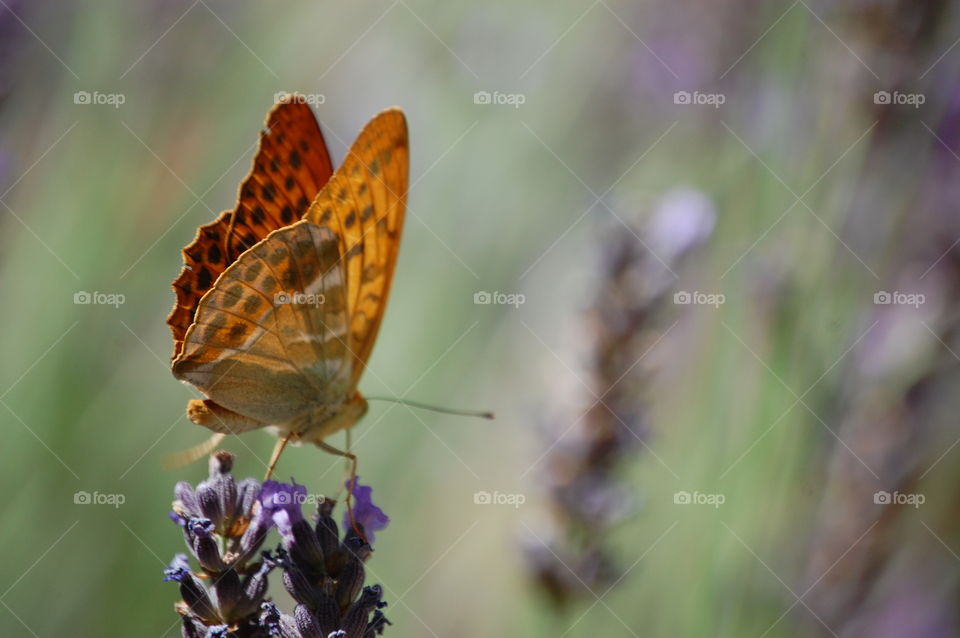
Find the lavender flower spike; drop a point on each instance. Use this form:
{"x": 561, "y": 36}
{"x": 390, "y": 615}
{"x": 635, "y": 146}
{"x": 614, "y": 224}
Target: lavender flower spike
{"x": 225, "y": 522}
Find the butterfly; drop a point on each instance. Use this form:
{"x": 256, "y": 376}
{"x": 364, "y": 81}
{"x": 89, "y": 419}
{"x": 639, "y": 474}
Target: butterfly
{"x": 280, "y": 300}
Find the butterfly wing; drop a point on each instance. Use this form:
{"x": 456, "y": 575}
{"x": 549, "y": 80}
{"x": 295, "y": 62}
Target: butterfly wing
{"x": 364, "y": 205}
{"x": 290, "y": 167}
{"x": 269, "y": 339}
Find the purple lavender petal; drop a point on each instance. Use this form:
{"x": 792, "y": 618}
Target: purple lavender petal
{"x": 368, "y": 515}
{"x": 179, "y": 567}
{"x": 281, "y": 503}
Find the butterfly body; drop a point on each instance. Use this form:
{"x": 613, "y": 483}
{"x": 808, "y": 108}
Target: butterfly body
{"x": 323, "y": 421}
{"x": 278, "y": 310}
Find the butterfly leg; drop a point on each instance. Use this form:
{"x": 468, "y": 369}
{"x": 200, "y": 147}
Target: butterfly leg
{"x": 352, "y": 459}
{"x": 277, "y": 451}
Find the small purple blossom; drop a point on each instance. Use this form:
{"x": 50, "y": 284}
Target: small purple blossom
{"x": 370, "y": 517}
{"x": 178, "y": 568}
{"x": 202, "y": 527}
{"x": 280, "y": 503}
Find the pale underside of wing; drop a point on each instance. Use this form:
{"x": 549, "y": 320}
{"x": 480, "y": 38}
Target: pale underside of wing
{"x": 270, "y": 339}
{"x": 364, "y": 204}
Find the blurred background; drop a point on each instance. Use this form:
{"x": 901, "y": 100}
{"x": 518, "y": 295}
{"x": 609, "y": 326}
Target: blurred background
{"x": 701, "y": 261}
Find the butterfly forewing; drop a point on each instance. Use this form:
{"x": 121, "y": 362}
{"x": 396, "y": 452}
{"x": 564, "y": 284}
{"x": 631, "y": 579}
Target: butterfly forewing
{"x": 203, "y": 261}
{"x": 364, "y": 204}
{"x": 269, "y": 340}
{"x": 290, "y": 167}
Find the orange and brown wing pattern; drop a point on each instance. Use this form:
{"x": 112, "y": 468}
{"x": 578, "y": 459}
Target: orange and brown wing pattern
{"x": 364, "y": 204}
{"x": 290, "y": 167}
{"x": 203, "y": 261}
{"x": 269, "y": 339}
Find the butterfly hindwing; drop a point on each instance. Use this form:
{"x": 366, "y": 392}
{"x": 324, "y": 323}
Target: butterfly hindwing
{"x": 290, "y": 167}
{"x": 364, "y": 204}
{"x": 270, "y": 338}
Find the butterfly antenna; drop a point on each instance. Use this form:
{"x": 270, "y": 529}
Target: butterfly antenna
{"x": 423, "y": 406}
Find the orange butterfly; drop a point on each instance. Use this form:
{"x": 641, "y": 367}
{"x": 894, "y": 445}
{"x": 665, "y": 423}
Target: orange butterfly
{"x": 280, "y": 300}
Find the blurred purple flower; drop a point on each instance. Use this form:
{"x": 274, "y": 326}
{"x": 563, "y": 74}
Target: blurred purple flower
{"x": 683, "y": 219}
{"x": 367, "y": 515}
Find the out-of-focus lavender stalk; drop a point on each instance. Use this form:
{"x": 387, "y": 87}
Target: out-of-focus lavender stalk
{"x": 868, "y": 576}
{"x": 624, "y": 321}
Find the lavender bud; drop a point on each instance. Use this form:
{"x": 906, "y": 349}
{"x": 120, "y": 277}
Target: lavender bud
{"x": 185, "y": 501}
{"x": 177, "y": 565}
{"x": 270, "y": 618}
{"x": 225, "y": 486}
{"x": 193, "y": 628}
{"x": 195, "y": 596}
{"x": 328, "y": 612}
{"x": 204, "y": 546}
{"x": 377, "y": 624}
{"x": 350, "y": 583}
{"x": 306, "y": 546}
{"x": 298, "y": 585}
{"x": 221, "y": 462}
{"x": 226, "y": 489}
{"x": 356, "y": 545}
{"x": 254, "y": 588}
{"x": 209, "y": 503}
{"x": 228, "y": 594}
{"x": 288, "y": 628}
{"x": 355, "y": 620}
{"x": 247, "y": 492}
{"x": 253, "y": 538}
{"x": 306, "y": 623}
{"x": 327, "y": 532}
